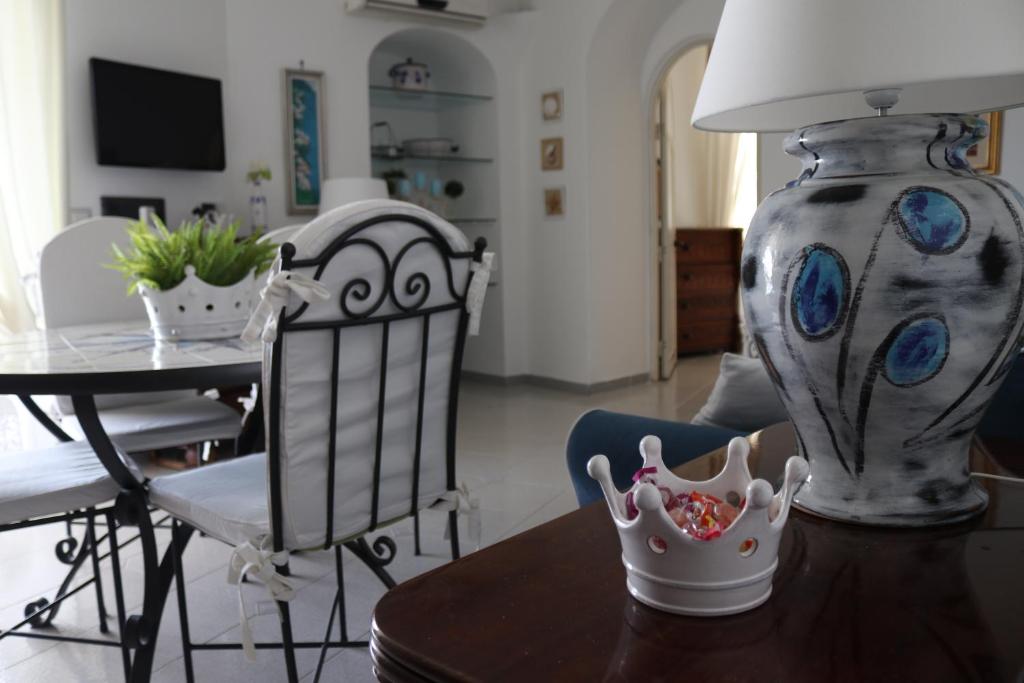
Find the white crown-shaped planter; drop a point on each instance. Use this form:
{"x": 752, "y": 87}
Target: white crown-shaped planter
{"x": 195, "y": 309}
{"x": 686, "y": 575}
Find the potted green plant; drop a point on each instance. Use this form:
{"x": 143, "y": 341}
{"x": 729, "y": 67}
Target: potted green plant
{"x": 197, "y": 282}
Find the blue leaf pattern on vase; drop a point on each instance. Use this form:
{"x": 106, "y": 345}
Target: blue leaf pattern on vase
{"x": 932, "y": 220}
{"x": 820, "y": 293}
{"x": 918, "y": 352}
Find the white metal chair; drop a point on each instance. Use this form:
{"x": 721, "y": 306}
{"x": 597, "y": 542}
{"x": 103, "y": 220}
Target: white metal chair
{"x": 77, "y": 289}
{"x": 367, "y": 313}
{"x": 66, "y": 483}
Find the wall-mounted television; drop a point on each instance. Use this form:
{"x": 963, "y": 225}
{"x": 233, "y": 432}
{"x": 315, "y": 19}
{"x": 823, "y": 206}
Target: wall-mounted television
{"x": 156, "y": 119}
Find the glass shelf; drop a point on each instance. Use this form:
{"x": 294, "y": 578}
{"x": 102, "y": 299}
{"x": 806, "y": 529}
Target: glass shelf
{"x": 440, "y": 157}
{"x": 394, "y": 98}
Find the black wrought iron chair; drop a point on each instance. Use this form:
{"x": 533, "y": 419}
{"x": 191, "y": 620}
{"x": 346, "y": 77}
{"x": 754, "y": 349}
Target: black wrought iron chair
{"x": 366, "y": 319}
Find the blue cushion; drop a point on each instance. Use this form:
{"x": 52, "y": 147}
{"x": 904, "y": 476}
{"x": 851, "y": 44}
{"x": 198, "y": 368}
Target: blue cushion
{"x": 617, "y": 436}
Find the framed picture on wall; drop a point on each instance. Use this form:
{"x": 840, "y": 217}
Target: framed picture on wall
{"x": 554, "y": 202}
{"x": 551, "y": 154}
{"x": 551, "y": 105}
{"x": 305, "y": 147}
{"x": 984, "y": 156}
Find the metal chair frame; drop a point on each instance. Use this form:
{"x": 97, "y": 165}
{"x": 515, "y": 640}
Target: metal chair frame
{"x": 382, "y": 550}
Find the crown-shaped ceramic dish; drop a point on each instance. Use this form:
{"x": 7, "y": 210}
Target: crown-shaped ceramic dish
{"x": 671, "y": 570}
{"x": 195, "y": 309}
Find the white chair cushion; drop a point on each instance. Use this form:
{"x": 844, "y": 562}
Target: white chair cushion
{"x": 105, "y": 401}
{"x": 227, "y": 500}
{"x": 53, "y": 480}
{"x": 150, "y": 426}
{"x": 306, "y": 391}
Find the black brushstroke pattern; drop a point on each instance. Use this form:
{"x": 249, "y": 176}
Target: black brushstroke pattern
{"x": 939, "y": 136}
{"x": 993, "y": 260}
{"x": 1012, "y": 319}
{"x": 838, "y": 194}
{"x": 748, "y": 272}
{"x": 968, "y": 422}
{"x": 769, "y": 364}
{"x": 798, "y": 361}
{"x": 802, "y": 447}
{"x": 956, "y": 162}
{"x": 844, "y": 344}
{"x": 908, "y": 282}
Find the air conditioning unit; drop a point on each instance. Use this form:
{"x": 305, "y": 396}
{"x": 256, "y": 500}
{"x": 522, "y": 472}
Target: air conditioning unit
{"x": 458, "y": 11}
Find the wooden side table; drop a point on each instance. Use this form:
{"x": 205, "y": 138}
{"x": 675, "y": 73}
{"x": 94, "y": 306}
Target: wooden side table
{"x": 850, "y": 603}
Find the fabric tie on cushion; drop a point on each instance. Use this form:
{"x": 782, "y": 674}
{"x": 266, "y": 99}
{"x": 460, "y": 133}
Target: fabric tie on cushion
{"x": 257, "y": 559}
{"x": 462, "y": 502}
{"x": 478, "y": 290}
{"x": 263, "y": 321}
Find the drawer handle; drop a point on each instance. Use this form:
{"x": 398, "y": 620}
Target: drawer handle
{"x": 683, "y": 305}
{"x": 685, "y": 246}
{"x": 686, "y": 335}
{"x": 686, "y": 277}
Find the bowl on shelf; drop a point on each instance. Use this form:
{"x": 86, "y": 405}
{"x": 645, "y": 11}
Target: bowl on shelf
{"x": 429, "y": 147}
{"x": 409, "y": 75}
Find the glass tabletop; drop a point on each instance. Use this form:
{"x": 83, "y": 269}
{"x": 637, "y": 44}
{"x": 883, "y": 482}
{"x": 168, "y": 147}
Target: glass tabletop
{"x": 115, "y": 351}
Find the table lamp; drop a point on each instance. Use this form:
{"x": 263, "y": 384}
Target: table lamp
{"x": 883, "y": 286}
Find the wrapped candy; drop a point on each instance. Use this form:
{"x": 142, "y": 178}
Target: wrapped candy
{"x": 701, "y": 515}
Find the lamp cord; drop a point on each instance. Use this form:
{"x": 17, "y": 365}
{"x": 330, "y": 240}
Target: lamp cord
{"x": 998, "y": 477}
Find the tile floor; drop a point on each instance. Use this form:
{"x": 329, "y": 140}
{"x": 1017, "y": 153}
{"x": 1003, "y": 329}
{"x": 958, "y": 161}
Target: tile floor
{"x": 511, "y": 454}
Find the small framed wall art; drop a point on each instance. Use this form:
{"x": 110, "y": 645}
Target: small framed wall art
{"x": 984, "y": 156}
{"x": 554, "y": 202}
{"x": 305, "y": 147}
{"x": 551, "y": 154}
{"x": 551, "y": 105}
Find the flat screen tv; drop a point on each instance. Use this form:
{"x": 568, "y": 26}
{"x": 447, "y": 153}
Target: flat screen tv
{"x": 155, "y": 118}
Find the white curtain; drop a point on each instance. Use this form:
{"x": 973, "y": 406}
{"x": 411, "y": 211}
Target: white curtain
{"x": 714, "y": 174}
{"x": 32, "y": 150}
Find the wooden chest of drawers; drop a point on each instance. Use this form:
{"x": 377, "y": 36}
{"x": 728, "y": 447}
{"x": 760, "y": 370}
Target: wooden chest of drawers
{"x": 707, "y": 282}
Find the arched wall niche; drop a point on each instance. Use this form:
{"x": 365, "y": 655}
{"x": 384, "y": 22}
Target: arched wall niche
{"x": 462, "y": 106}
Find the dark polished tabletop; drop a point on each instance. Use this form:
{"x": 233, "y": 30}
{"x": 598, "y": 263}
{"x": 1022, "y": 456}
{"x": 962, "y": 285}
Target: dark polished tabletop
{"x": 850, "y": 603}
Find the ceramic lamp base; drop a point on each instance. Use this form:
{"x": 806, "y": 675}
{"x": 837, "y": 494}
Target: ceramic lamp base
{"x": 910, "y": 513}
{"x": 883, "y": 290}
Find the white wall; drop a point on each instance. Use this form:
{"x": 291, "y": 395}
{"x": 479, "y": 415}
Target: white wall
{"x": 185, "y": 35}
{"x": 577, "y": 292}
{"x": 247, "y": 44}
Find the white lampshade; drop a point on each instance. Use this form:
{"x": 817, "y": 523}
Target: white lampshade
{"x": 337, "y": 192}
{"x": 777, "y": 65}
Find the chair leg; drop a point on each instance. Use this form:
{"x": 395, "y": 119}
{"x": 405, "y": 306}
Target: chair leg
{"x": 179, "y": 586}
{"x": 115, "y": 565}
{"x": 416, "y": 531}
{"x": 94, "y": 552}
{"x": 453, "y": 529}
{"x": 339, "y": 574}
{"x": 286, "y": 633}
{"x": 327, "y": 639}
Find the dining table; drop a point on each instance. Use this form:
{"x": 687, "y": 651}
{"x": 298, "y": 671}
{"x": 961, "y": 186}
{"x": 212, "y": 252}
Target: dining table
{"x": 849, "y": 602}
{"x": 86, "y": 361}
